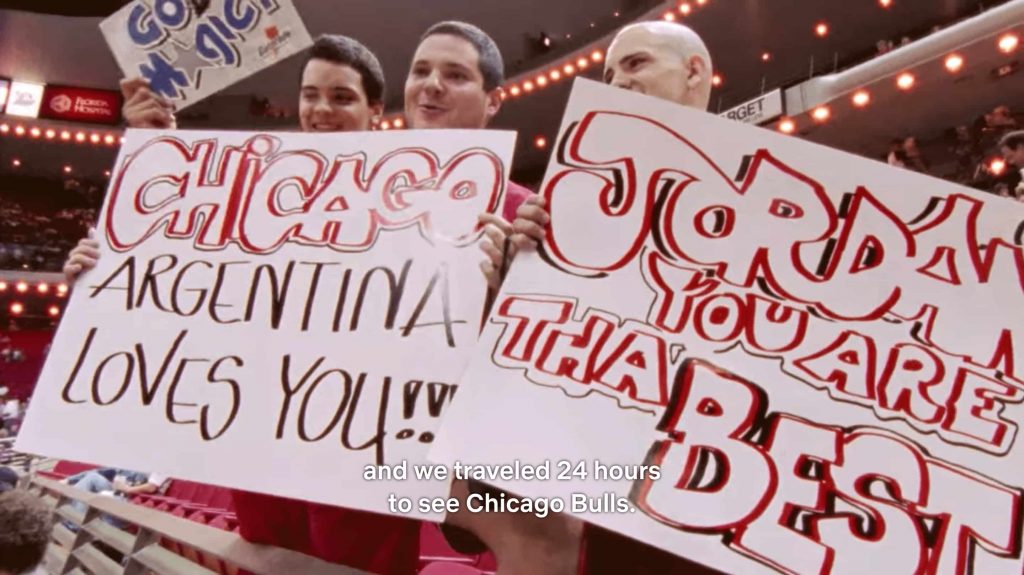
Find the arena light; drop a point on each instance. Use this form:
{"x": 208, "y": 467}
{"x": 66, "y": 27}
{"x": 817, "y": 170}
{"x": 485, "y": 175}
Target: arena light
{"x": 35, "y": 132}
{"x": 821, "y": 29}
{"x": 16, "y": 163}
{"x": 67, "y": 169}
{"x": 1008, "y": 43}
{"x": 540, "y": 142}
{"x": 821, "y": 114}
{"x": 109, "y": 139}
{"x": 399, "y": 123}
{"x": 787, "y": 126}
{"x": 21, "y": 287}
{"x": 51, "y": 134}
{"x": 4, "y": 128}
{"x": 121, "y": 139}
{"x": 385, "y": 125}
{"x": 514, "y": 91}
{"x": 669, "y": 16}
{"x": 568, "y": 69}
{"x": 3, "y": 286}
{"x": 582, "y": 63}
{"x": 885, "y": 3}
{"x": 527, "y": 86}
{"x": 17, "y": 308}
{"x": 954, "y": 63}
{"x": 685, "y": 9}
{"x": 65, "y": 135}
{"x": 542, "y": 81}
{"x": 905, "y": 81}
{"x": 702, "y": 2}
{"x": 94, "y": 138}
{"x": 597, "y": 56}
{"x": 54, "y": 311}
{"x": 19, "y": 130}
{"x": 62, "y": 289}
{"x": 766, "y": 56}
{"x": 106, "y": 173}
{"x": 716, "y": 80}
{"x": 80, "y": 137}
{"x": 43, "y": 288}
{"x": 997, "y": 166}
{"x": 555, "y": 75}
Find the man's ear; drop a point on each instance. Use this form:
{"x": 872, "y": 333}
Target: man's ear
{"x": 376, "y": 114}
{"x": 697, "y": 72}
{"x": 493, "y": 103}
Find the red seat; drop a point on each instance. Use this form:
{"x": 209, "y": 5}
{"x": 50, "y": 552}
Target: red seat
{"x": 433, "y": 547}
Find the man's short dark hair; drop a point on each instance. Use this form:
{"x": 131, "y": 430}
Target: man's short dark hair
{"x": 25, "y": 527}
{"x": 350, "y": 52}
{"x": 1012, "y": 140}
{"x": 492, "y": 67}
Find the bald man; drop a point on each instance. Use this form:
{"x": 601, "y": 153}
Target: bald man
{"x": 667, "y": 61}
{"x": 660, "y": 59}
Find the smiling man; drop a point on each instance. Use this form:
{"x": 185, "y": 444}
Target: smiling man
{"x": 454, "y": 82}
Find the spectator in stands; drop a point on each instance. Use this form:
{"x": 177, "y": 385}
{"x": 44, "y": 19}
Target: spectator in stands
{"x": 8, "y": 479}
{"x": 897, "y": 156}
{"x": 967, "y": 153}
{"x": 914, "y": 160}
{"x": 118, "y": 481}
{"x": 25, "y": 526}
{"x": 1012, "y": 148}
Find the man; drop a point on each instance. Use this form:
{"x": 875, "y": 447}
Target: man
{"x": 454, "y": 82}
{"x": 25, "y": 526}
{"x": 667, "y": 61}
{"x": 661, "y": 59}
{"x": 1012, "y": 147}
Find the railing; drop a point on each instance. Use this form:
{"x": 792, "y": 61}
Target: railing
{"x": 213, "y": 550}
{"x": 11, "y": 458}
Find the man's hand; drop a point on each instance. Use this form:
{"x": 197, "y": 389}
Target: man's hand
{"x": 144, "y": 108}
{"x": 496, "y": 233}
{"x": 83, "y": 257}
{"x": 531, "y": 219}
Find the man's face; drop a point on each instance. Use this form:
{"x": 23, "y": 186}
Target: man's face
{"x": 445, "y": 88}
{"x": 332, "y": 99}
{"x": 646, "y": 62}
{"x": 1014, "y": 156}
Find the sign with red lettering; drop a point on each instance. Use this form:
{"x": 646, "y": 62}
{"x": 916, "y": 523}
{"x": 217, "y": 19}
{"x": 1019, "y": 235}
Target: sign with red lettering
{"x": 81, "y": 105}
{"x": 275, "y": 312}
{"x": 773, "y": 356}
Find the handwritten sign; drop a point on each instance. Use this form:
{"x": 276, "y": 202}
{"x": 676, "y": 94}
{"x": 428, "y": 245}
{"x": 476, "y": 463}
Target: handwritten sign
{"x": 275, "y": 312}
{"x": 819, "y": 353}
{"x": 189, "y": 49}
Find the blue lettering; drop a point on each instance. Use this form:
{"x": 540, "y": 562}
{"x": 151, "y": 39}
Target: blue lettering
{"x": 141, "y": 28}
{"x": 210, "y": 45}
{"x": 163, "y": 78}
{"x": 174, "y": 14}
{"x": 244, "y": 22}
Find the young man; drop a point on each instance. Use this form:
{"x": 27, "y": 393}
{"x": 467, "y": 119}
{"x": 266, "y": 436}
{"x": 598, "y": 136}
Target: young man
{"x": 671, "y": 62}
{"x": 341, "y": 90}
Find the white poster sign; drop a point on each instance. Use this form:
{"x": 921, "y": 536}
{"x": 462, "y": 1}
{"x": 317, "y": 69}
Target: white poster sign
{"x": 189, "y": 49}
{"x": 275, "y": 312}
{"x": 758, "y": 353}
